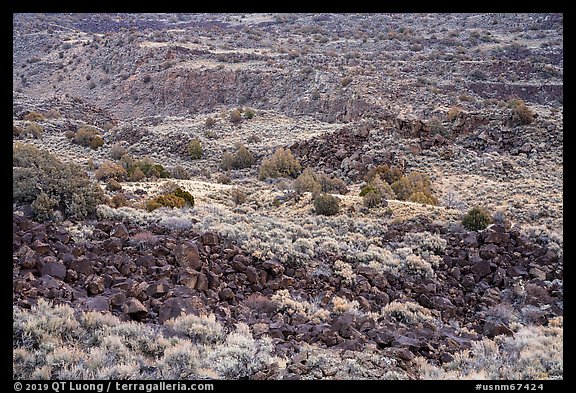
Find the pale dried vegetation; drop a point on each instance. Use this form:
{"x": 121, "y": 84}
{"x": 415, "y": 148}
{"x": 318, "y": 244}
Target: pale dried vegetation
{"x": 534, "y": 352}
{"x": 55, "y": 342}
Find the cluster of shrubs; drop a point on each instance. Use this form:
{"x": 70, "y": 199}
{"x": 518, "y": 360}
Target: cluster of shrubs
{"x": 280, "y": 164}
{"x": 50, "y": 185}
{"x": 242, "y": 158}
{"x": 86, "y": 136}
{"x": 237, "y": 114}
{"x": 388, "y": 182}
{"x": 311, "y": 181}
{"x": 33, "y": 130}
{"x": 177, "y": 198}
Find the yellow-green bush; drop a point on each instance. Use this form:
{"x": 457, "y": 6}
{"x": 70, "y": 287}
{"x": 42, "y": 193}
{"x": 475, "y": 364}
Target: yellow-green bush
{"x": 476, "y": 219}
{"x": 280, "y": 164}
{"x": 415, "y": 182}
{"x": 177, "y": 199}
{"x": 195, "y": 149}
{"x": 243, "y": 158}
{"x": 88, "y": 136}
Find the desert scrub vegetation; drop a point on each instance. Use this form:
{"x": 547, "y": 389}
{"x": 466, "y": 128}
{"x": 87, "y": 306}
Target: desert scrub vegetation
{"x": 110, "y": 170}
{"x": 534, "y": 352}
{"x": 33, "y": 130}
{"x": 50, "y": 185}
{"x": 88, "y": 136}
{"x": 117, "y": 151}
{"x": 280, "y": 164}
{"x": 408, "y": 313}
{"x": 476, "y": 219}
{"x": 389, "y": 174}
{"x": 242, "y": 158}
{"x": 33, "y": 116}
{"x": 210, "y": 122}
{"x": 376, "y": 192}
{"x": 235, "y": 116}
{"x": 521, "y": 114}
{"x": 326, "y": 204}
{"x": 178, "y": 199}
{"x": 137, "y": 170}
{"x": 55, "y": 342}
{"x": 195, "y": 149}
{"x": 285, "y": 303}
{"x": 311, "y": 181}
{"x": 302, "y": 243}
{"x": 414, "y": 187}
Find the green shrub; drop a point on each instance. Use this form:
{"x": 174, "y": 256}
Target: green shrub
{"x": 249, "y": 113}
{"x": 476, "y": 219}
{"x": 43, "y": 207}
{"x": 326, "y": 204}
{"x": 367, "y": 189}
{"x": 382, "y": 187}
{"x": 185, "y": 195}
{"x": 110, "y": 170}
{"x": 243, "y": 158}
{"x": 36, "y": 171}
{"x": 195, "y": 149}
{"x": 281, "y": 164}
{"x": 372, "y": 199}
{"x": 177, "y": 198}
{"x": 227, "y": 161}
{"x": 169, "y": 200}
{"x": 139, "y": 169}
{"x": 307, "y": 181}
